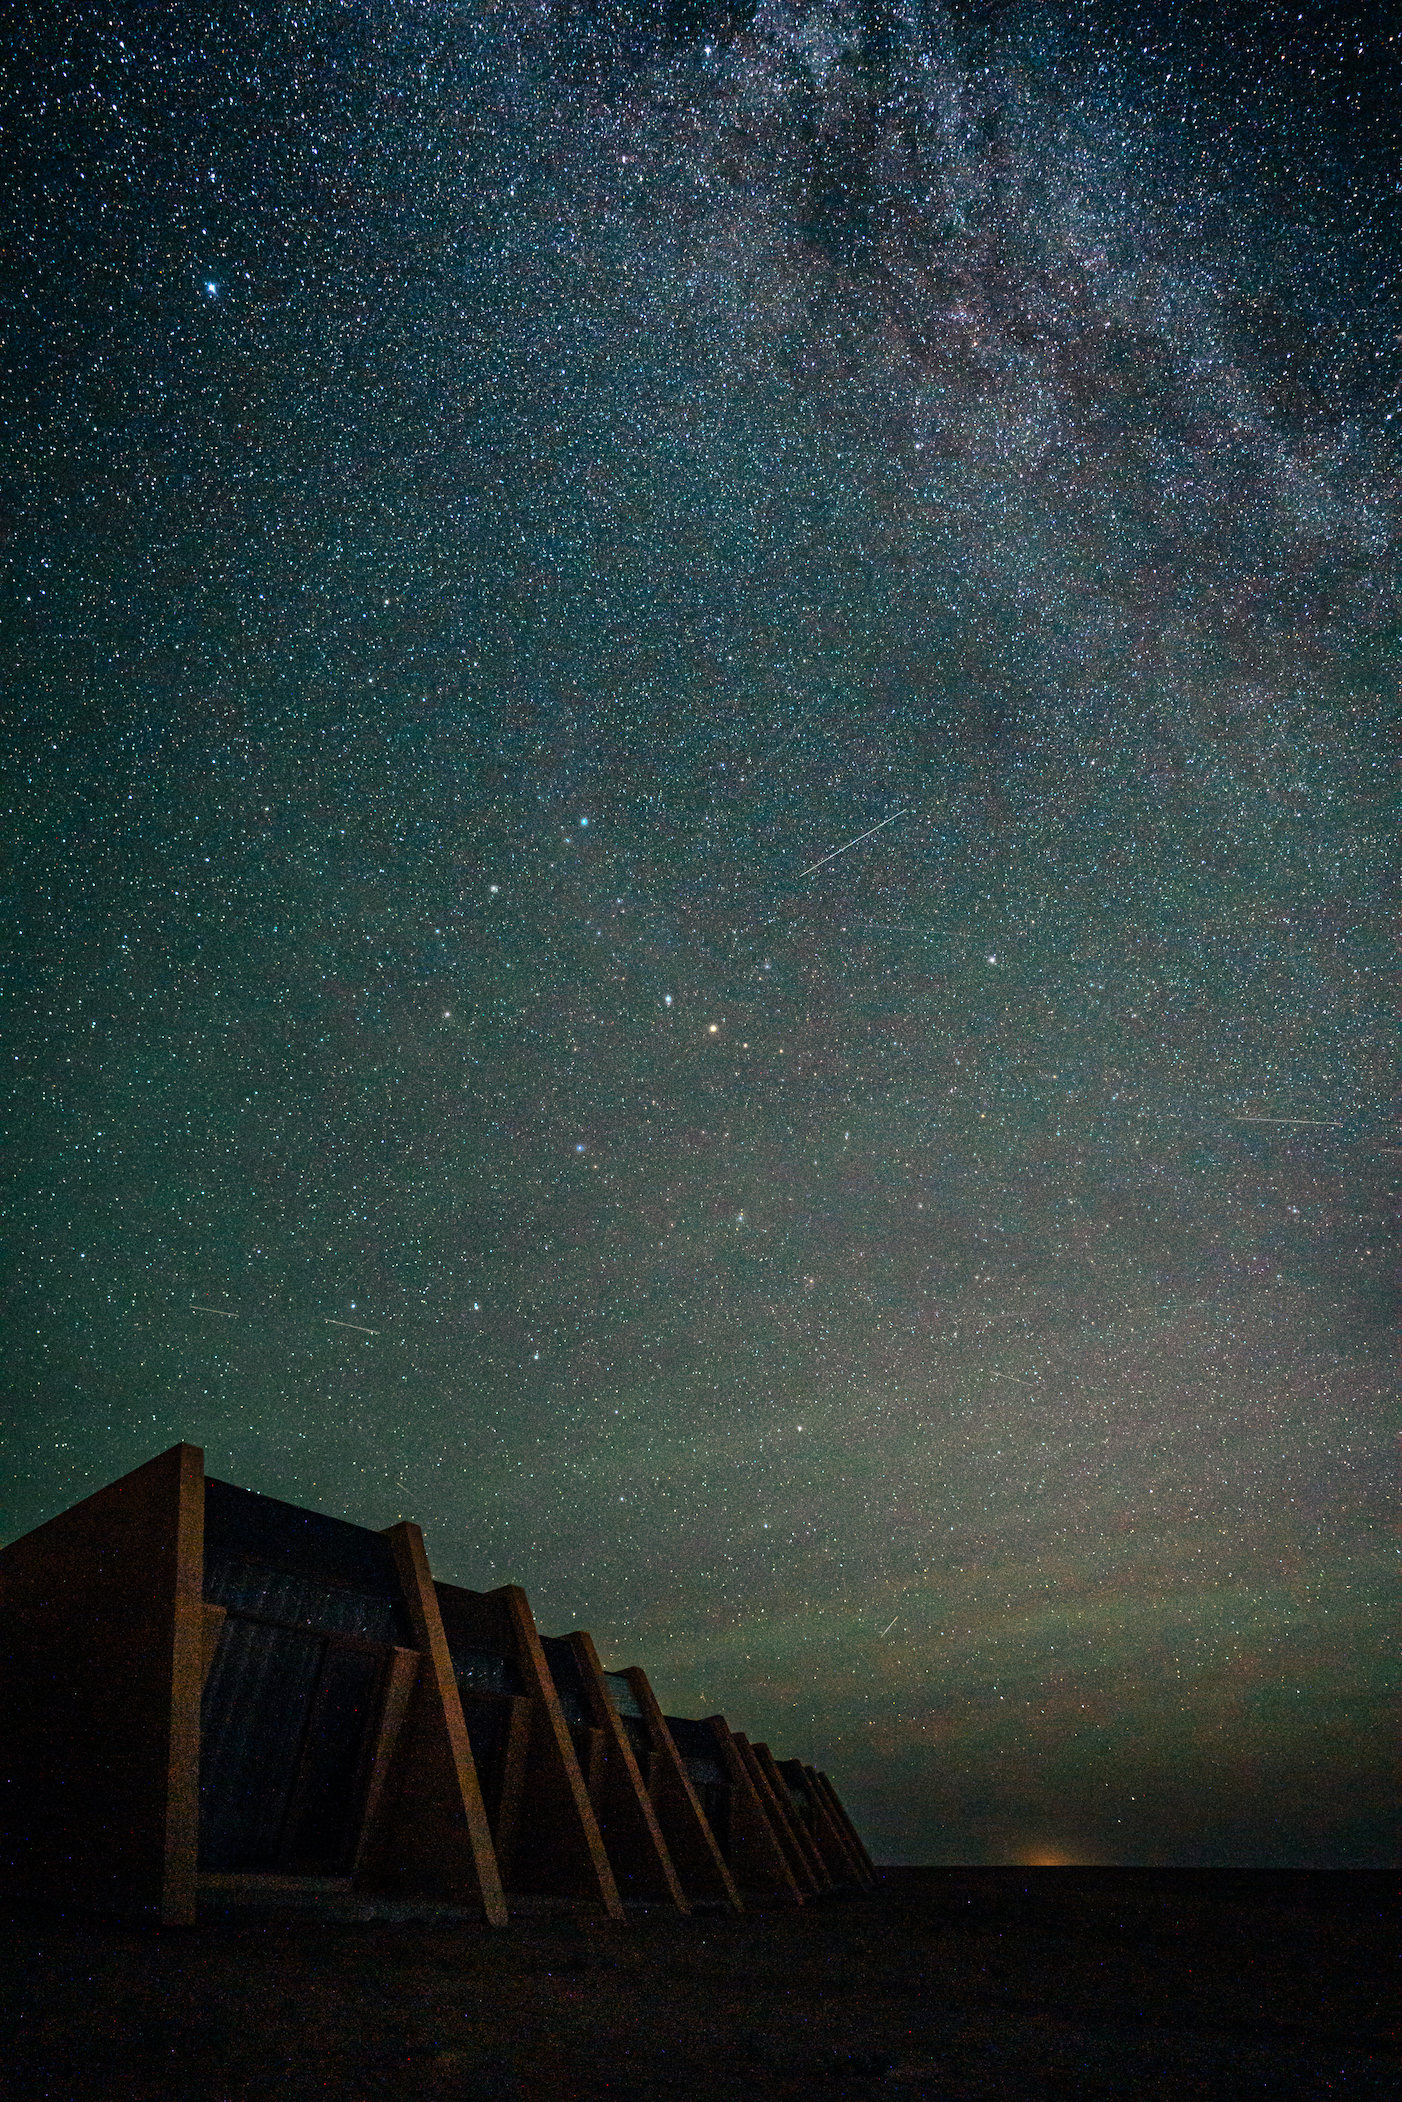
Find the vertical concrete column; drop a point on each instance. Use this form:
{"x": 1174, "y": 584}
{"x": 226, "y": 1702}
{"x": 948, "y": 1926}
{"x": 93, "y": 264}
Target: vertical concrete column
{"x": 101, "y": 1657}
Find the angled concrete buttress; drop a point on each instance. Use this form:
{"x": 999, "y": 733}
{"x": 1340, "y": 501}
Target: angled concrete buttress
{"x": 638, "y": 1853}
{"x": 694, "y": 1847}
{"x": 429, "y": 1834}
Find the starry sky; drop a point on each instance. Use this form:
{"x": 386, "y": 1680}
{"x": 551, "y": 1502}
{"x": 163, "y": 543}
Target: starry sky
{"x": 492, "y": 496}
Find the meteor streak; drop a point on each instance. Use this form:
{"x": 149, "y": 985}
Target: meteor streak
{"x": 1248, "y": 1116}
{"x": 853, "y": 842}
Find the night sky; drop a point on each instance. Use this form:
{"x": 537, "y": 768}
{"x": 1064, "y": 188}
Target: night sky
{"x": 493, "y": 494}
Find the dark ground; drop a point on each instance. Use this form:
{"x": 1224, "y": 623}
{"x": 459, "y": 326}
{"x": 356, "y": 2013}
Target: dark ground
{"x": 949, "y": 1983}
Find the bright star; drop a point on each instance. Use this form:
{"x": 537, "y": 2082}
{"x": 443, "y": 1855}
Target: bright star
{"x": 211, "y": 289}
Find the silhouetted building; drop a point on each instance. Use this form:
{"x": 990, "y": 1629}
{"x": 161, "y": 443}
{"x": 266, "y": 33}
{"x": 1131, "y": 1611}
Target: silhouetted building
{"x": 204, "y": 1687}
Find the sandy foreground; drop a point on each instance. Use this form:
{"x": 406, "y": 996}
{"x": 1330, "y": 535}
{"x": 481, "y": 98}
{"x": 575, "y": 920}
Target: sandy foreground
{"x": 947, "y": 1983}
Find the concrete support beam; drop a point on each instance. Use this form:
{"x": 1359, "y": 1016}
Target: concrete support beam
{"x": 638, "y": 1853}
{"x": 757, "y": 1857}
{"x": 430, "y": 1836}
{"x": 558, "y": 1850}
{"x": 834, "y": 1802}
{"x": 839, "y": 1854}
{"x": 778, "y": 1788}
{"x": 800, "y": 1864}
{"x": 690, "y": 1841}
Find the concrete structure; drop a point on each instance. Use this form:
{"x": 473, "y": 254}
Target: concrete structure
{"x": 204, "y": 1687}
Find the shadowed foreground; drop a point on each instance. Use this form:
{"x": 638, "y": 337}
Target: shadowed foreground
{"x": 948, "y": 1983}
